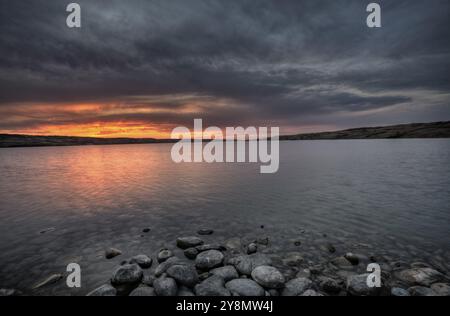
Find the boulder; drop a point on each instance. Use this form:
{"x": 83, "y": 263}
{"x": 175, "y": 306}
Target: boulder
{"x": 165, "y": 287}
{"x": 188, "y": 242}
{"x": 212, "y": 286}
{"x": 296, "y": 287}
{"x": 420, "y": 276}
{"x": 143, "y": 291}
{"x": 227, "y": 273}
{"x": 245, "y": 264}
{"x": 208, "y": 260}
{"x": 244, "y": 287}
{"x": 104, "y": 290}
{"x": 268, "y": 277}
{"x": 183, "y": 274}
{"x": 127, "y": 274}
{"x": 142, "y": 261}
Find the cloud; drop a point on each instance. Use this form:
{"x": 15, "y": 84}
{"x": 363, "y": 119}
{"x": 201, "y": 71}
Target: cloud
{"x": 230, "y": 62}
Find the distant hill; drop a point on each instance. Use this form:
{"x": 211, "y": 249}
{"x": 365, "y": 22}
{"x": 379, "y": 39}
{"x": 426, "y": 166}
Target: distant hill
{"x": 7, "y": 140}
{"x": 419, "y": 130}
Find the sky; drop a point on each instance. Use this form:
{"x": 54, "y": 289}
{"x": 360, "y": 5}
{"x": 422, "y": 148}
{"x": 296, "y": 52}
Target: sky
{"x": 140, "y": 68}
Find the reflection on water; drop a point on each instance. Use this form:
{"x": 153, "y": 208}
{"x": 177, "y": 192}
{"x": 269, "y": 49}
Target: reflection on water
{"x": 390, "y": 195}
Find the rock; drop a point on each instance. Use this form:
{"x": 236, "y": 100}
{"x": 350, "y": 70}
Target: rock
{"x": 184, "y": 291}
{"x": 421, "y": 291}
{"x": 244, "y": 287}
{"x": 353, "y": 259}
{"x": 247, "y": 263}
{"x": 441, "y": 289}
{"x": 50, "y": 280}
{"x": 127, "y": 274}
{"x": 112, "y": 252}
{"x": 341, "y": 262}
{"x": 207, "y": 247}
{"x": 143, "y": 291}
{"x": 191, "y": 253}
{"x": 104, "y": 290}
{"x": 227, "y": 273}
{"x": 357, "y": 286}
{"x": 142, "y": 261}
{"x": 310, "y": 293}
{"x": 396, "y": 291}
{"x": 296, "y": 287}
{"x": 252, "y": 248}
{"x": 293, "y": 259}
{"x": 329, "y": 285}
{"x": 420, "y": 276}
{"x": 234, "y": 244}
{"x": 146, "y": 230}
{"x": 9, "y": 292}
{"x": 183, "y": 274}
{"x": 163, "y": 255}
{"x": 268, "y": 277}
{"x": 161, "y": 268}
{"x": 47, "y": 230}
{"x": 212, "y": 286}
{"x": 165, "y": 287}
{"x": 188, "y": 242}
{"x": 208, "y": 259}
{"x": 204, "y": 232}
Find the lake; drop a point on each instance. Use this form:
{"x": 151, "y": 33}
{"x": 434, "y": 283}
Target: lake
{"x": 387, "y": 198}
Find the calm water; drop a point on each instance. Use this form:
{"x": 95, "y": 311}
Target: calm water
{"x": 390, "y": 197}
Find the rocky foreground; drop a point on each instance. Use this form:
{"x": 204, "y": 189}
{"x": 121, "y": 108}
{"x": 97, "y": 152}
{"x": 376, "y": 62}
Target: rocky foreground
{"x": 235, "y": 268}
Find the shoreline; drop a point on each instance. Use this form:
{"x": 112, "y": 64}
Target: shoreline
{"x": 436, "y": 130}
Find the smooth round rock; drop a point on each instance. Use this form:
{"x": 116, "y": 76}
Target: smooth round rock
{"x": 142, "y": 261}
{"x": 127, "y": 274}
{"x": 296, "y": 287}
{"x": 204, "y": 232}
{"x": 188, "y": 242}
{"x": 165, "y": 287}
{"x": 227, "y": 273}
{"x": 163, "y": 255}
{"x": 421, "y": 291}
{"x": 208, "y": 259}
{"x": 245, "y": 287}
{"x": 268, "y": 277}
{"x": 212, "y": 286}
{"x": 396, "y": 291}
{"x": 329, "y": 285}
{"x": 252, "y": 248}
{"x": 104, "y": 290}
{"x": 191, "y": 253}
{"x": 143, "y": 291}
{"x": 183, "y": 274}
{"x": 357, "y": 286}
{"x": 247, "y": 263}
{"x": 112, "y": 252}
{"x": 420, "y": 276}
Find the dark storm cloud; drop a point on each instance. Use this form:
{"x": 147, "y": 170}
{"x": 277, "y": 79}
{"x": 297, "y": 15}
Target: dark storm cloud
{"x": 282, "y": 61}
